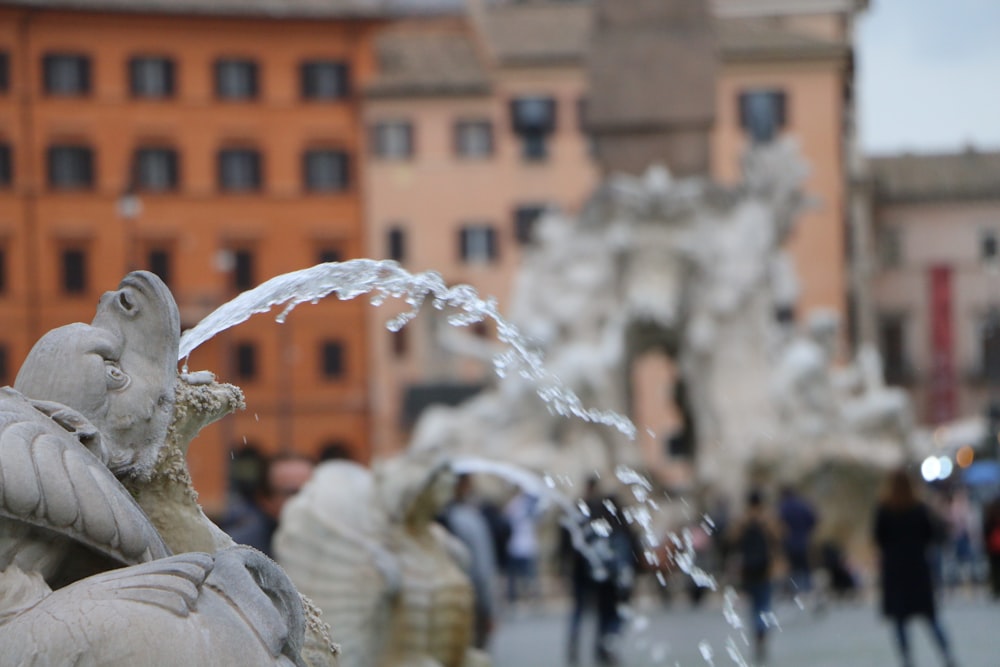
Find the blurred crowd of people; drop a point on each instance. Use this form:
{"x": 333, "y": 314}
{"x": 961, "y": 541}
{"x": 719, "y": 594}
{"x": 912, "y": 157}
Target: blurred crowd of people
{"x": 927, "y": 540}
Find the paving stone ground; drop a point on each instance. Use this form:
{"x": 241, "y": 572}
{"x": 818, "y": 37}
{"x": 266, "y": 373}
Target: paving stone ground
{"x": 850, "y": 634}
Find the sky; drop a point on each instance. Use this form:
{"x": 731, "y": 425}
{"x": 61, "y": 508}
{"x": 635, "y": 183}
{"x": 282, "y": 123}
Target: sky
{"x": 929, "y": 75}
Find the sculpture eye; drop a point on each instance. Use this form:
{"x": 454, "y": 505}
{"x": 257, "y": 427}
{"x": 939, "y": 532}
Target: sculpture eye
{"x": 125, "y": 301}
{"x": 116, "y": 377}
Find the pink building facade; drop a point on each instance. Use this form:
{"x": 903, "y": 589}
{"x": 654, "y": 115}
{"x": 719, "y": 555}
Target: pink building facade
{"x": 476, "y": 124}
{"x": 936, "y": 224}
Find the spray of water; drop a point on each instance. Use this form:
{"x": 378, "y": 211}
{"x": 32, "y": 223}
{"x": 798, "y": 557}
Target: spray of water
{"x": 571, "y": 516}
{"x": 386, "y": 279}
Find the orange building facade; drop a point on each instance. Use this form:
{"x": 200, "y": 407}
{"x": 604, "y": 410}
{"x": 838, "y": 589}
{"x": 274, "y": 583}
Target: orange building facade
{"x": 443, "y": 196}
{"x": 218, "y": 151}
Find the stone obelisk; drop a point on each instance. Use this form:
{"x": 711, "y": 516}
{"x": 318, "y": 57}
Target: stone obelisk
{"x": 652, "y": 68}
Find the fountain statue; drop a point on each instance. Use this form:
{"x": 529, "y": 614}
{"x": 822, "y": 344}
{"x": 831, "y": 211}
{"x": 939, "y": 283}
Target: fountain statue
{"x": 364, "y": 545}
{"x": 696, "y": 270}
{"x": 105, "y": 556}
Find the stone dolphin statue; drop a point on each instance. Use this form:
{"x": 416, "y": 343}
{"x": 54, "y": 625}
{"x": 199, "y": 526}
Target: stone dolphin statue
{"x": 118, "y": 371}
{"x": 92, "y": 404}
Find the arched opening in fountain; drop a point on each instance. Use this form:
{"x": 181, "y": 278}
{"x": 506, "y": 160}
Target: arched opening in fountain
{"x": 657, "y": 397}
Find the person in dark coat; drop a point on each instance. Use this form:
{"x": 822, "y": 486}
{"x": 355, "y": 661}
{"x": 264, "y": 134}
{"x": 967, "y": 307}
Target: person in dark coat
{"x": 991, "y": 540}
{"x": 904, "y": 534}
{"x": 798, "y": 518}
{"x": 756, "y": 538}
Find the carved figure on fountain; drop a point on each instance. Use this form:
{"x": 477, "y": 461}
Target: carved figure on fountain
{"x": 364, "y": 545}
{"x": 93, "y": 406}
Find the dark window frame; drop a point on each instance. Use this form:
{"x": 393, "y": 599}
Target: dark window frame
{"x": 770, "y": 119}
{"x": 461, "y": 148}
{"x": 141, "y": 170}
{"x": 244, "y": 265}
{"x": 245, "y": 363}
{"x": 468, "y": 251}
{"x": 395, "y": 237}
{"x": 327, "y": 254}
{"x": 379, "y": 145}
{"x": 989, "y": 347}
{"x": 989, "y": 245}
{"x": 4, "y": 72}
{"x": 73, "y": 265}
{"x": 312, "y": 170}
{"x": 83, "y": 75}
{"x": 6, "y": 165}
{"x": 333, "y": 359}
{"x": 237, "y": 67}
{"x": 136, "y": 82}
{"x": 892, "y": 345}
{"x": 311, "y": 84}
{"x": 159, "y": 260}
{"x": 533, "y": 119}
{"x": 231, "y": 181}
{"x": 78, "y": 158}
{"x": 525, "y": 219}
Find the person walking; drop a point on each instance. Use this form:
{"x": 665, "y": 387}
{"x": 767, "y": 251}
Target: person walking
{"x": 756, "y": 538}
{"x": 798, "y": 520}
{"x": 522, "y": 512}
{"x": 904, "y": 534}
{"x": 465, "y": 519}
{"x": 602, "y": 570}
{"x": 991, "y": 542}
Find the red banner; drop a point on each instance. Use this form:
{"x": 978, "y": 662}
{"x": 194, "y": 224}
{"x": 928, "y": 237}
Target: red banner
{"x": 942, "y": 394}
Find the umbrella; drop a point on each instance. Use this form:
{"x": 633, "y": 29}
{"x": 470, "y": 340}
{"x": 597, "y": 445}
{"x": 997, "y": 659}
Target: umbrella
{"x": 982, "y": 473}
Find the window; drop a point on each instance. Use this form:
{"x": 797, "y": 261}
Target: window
{"x": 392, "y": 140}
{"x": 533, "y": 120}
{"x": 892, "y": 341}
{"x": 6, "y": 166}
{"x": 762, "y": 113}
{"x": 239, "y": 170}
{"x": 890, "y": 247}
{"x": 74, "y": 271}
{"x": 477, "y": 243}
{"x": 71, "y": 167}
{"x": 525, "y": 218}
{"x": 396, "y": 240}
{"x": 243, "y": 270}
{"x": 235, "y": 79}
{"x": 156, "y": 169}
{"x": 326, "y": 171}
{"x": 989, "y": 334}
{"x": 473, "y": 138}
{"x": 66, "y": 74}
{"x": 332, "y": 359}
{"x": 325, "y": 80}
{"x": 329, "y": 255}
{"x": 159, "y": 263}
{"x": 988, "y": 245}
{"x": 4, "y": 72}
{"x": 151, "y": 77}
{"x": 245, "y": 360}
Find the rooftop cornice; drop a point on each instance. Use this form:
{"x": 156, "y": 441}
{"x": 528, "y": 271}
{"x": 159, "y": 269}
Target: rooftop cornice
{"x": 759, "y": 8}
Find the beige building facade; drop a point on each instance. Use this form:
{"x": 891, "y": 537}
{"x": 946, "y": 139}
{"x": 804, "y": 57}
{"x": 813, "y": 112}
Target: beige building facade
{"x": 477, "y": 123}
{"x": 936, "y": 231}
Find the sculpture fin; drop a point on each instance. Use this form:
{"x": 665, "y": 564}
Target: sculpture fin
{"x": 49, "y": 479}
